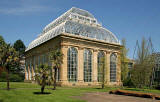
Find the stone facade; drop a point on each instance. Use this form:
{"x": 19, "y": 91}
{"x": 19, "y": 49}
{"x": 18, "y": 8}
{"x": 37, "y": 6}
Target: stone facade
{"x": 84, "y": 43}
{"x": 64, "y": 42}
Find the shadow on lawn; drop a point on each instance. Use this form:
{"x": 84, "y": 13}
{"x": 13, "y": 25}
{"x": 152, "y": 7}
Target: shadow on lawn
{"x": 39, "y": 93}
{"x": 7, "y": 89}
{"x": 1, "y": 100}
{"x": 98, "y": 88}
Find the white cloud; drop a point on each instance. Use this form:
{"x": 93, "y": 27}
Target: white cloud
{"x": 22, "y": 10}
{"x": 25, "y": 8}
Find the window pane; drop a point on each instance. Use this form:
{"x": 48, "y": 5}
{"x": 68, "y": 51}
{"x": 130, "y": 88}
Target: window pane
{"x": 72, "y": 64}
{"x": 100, "y": 65}
{"x": 113, "y": 68}
{"x": 87, "y": 66}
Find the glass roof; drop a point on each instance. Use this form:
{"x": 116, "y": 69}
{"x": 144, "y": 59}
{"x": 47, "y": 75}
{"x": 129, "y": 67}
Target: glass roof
{"x": 77, "y": 22}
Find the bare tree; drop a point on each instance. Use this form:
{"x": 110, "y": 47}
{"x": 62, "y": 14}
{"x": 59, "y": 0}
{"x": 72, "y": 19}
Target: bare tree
{"x": 124, "y": 61}
{"x": 142, "y": 71}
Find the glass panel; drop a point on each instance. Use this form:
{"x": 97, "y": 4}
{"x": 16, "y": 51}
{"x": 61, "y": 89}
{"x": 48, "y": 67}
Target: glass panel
{"x": 100, "y": 65}
{"x": 113, "y": 68}
{"x": 87, "y": 66}
{"x": 58, "y": 74}
{"x": 72, "y": 64}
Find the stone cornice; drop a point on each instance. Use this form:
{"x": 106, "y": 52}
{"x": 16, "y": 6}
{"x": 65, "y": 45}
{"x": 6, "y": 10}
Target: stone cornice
{"x": 81, "y": 38}
{"x": 63, "y": 39}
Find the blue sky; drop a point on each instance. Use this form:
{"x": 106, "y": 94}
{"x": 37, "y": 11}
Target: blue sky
{"x": 129, "y": 19}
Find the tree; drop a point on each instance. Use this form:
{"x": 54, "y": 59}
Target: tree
{"x": 103, "y": 71}
{"x": 43, "y": 76}
{"x": 8, "y": 59}
{"x": 142, "y": 71}
{"x": 2, "y": 42}
{"x": 56, "y": 57}
{"x": 20, "y": 47}
{"x": 124, "y": 61}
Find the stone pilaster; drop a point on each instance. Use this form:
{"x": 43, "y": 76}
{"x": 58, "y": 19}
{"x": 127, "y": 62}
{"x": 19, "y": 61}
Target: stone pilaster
{"x": 63, "y": 69}
{"x": 80, "y": 64}
{"x": 118, "y": 69}
{"x": 26, "y": 73}
{"x": 29, "y": 73}
{"x": 94, "y": 66}
{"x": 107, "y": 65}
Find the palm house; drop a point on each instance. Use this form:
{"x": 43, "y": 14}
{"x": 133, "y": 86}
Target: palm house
{"x": 83, "y": 42}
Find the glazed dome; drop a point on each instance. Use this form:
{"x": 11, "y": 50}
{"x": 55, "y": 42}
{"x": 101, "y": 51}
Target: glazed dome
{"x": 77, "y": 22}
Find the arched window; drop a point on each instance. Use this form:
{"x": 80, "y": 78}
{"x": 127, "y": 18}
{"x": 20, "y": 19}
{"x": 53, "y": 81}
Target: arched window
{"x": 113, "y": 60}
{"x": 87, "y": 65}
{"x": 34, "y": 62}
{"x": 72, "y": 64}
{"x": 100, "y": 66}
{"x": 39, "y": 60}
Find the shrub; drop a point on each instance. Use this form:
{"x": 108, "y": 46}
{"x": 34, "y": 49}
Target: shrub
{"x": 3, "y": 77}
{"x": 15, "y": 78}
{"x": 12, "y": 77}
{"x": 128, "y": 82}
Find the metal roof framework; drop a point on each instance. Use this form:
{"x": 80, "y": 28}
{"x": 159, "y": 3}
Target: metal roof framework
{"x": 77, "y": 22}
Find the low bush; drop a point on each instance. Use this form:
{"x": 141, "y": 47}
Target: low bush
{"x": 15, "y": 78}
{"x": 12, "y": 77}
{"x": 3, "y": 77}
{"x": 128, "y": 82}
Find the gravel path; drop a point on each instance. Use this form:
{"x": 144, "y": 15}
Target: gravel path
{"x": 105, "y": 97}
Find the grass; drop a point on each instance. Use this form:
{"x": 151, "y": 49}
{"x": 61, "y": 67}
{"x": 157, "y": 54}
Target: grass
{"x": 24, "y": 92}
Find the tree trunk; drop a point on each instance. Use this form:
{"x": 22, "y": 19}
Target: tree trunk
{"x": 7, "y": 78}
{"x": 43, "y": 84}
{"x": 152, "y": 78}
{"x": 102, "y": 83}
{"x": 103, "y": 77}
{"x": 55, "y": 77}
{"x": 103, "y": 86}
{"x": 42, "y": 89}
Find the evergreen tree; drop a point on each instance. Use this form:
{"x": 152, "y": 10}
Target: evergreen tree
{"x": 20, "y": 47}
{"x": 2, "y": 42}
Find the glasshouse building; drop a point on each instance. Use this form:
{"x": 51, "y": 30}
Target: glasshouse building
{"x": 83, "y": 42}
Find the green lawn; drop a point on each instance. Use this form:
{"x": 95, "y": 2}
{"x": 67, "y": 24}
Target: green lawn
{"x": 24, "y": 92}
